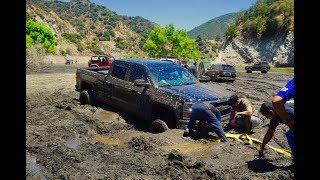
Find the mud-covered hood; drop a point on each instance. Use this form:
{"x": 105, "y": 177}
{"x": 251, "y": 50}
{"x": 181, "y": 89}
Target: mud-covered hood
{"x": 192, "y": 93}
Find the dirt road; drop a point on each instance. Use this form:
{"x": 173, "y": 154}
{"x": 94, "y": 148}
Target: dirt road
{"x": 66, "y": 140}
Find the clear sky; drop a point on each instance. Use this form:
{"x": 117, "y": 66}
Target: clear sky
{"x": 185, "y": 14}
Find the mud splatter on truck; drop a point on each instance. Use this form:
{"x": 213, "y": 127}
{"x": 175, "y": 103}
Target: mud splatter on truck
{"x": 150, "y": 89}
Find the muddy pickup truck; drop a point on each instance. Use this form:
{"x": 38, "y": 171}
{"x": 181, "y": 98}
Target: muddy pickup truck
{"x": 160, "y": 93}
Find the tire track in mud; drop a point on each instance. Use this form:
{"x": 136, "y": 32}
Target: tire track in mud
{"x": 57, "y": 157}
{"x": 278, "y": 84}
{"x": 256, "y": 89}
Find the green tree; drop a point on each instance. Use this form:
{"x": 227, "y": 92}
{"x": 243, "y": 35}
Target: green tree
{"x": 94, "y": 47}
{"x": 170, "y": 42}
{"x": 107, "y": 35}
{"x": 231, "y": 32}
{"x": 119, "y": 43}
{"x": 37, "y": 33}
{"x": 74, "y": 38}
{"x": 285, "y": 8}
{"x": 80, "y": 47}
{"x": 266, "y": 16}
{"x": 135, "y": 55}
{"x": 262, "y": 8}
{"x": 259, "y": 25}
{"x": 200, "y": 43}
{"x": 29, "y": 41}
{"x": 217, "y": 38}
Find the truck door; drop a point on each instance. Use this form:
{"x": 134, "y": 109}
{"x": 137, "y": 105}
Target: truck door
{"x": 139, "y": 95}
{"x": 102, "y": 91}
{"x": 120, "y": 86}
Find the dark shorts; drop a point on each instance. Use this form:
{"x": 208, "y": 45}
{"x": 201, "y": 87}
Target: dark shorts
{"x": 247, "y": 124}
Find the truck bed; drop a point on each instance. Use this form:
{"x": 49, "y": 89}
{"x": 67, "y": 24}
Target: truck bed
{"x": 90, "y": 75}
{"x": 93, "y": 70}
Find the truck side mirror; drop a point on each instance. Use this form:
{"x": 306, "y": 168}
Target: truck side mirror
{"x": 141, "y": 83}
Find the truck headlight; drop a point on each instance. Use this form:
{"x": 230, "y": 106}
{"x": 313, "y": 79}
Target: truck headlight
{"x": 187, "y": 108}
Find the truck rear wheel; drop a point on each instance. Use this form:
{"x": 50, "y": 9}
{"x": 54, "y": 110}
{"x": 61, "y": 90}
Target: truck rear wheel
{"x": 158, "y": 126}
{"x": 264, "y": 71}
{"x": 85, "y": 98}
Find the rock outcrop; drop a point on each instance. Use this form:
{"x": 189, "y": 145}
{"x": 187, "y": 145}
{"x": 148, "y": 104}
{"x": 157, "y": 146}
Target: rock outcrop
{"x": 277, "y": 50}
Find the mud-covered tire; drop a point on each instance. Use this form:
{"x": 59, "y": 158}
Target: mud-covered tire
{"x": 85, "y": 98}
{"x": 158, "y": 126}
{"x": 264, "y": 71}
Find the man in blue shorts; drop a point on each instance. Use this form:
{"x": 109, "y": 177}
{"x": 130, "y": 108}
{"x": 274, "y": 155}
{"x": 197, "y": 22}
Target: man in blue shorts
{"x": 280, "y": 112}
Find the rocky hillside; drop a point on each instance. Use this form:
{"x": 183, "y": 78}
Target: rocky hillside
{"x": 214, "y": 28}
{"x": 264, "y": 32}
{"x": 84, "y": 28}
{"x": 277, "y": 50}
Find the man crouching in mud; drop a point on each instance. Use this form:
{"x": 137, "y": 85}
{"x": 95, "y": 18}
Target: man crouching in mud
{"x": 241, "y": 116}
{"x": 207, "y": 114}
{"x": 280, "y": 112}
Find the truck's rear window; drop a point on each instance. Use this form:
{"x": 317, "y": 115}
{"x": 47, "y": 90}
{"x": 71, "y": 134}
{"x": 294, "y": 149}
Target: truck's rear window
{"x": 96, "y": 58}
{"x": 119, "y": 71}
{"x": 227, "y": 67}
{"x": 137, "y": 73}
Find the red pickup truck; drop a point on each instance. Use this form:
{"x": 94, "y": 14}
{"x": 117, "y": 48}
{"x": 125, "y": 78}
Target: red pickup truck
{"x": 100, "y": 61}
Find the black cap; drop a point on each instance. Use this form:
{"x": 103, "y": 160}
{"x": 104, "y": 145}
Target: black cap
{"x": 266, "y": 107}
{"x": 233, "y": 99}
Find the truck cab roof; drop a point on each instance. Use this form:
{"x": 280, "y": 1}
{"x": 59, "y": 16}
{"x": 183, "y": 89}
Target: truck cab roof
{"x": 145, "y": 62}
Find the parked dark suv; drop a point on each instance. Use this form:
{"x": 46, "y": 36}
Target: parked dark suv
{"x": 69, "y": 61}
{"x": 221, "y": 72}
{"x": 261, "y": 66}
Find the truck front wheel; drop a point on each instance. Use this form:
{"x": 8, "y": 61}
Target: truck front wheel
{"x": 85, "y": 98}
{"x": 158, "y": 126}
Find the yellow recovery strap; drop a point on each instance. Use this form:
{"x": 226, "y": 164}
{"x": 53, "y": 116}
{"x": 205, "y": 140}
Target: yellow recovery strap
{"x": 250, "y": 140}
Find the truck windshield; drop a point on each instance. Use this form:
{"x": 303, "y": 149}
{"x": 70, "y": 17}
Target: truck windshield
{"x": 171, "y": 76}
{"x": 96, "y": 58}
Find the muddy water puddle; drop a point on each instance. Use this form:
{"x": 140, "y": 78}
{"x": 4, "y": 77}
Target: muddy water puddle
{"x": 107, "y": 140}
{"x": 122, "y": 139}
{"x": 73, "y": 143}
{"x": 105, "y": 115}
{"x": 119, "y": 139}
{"x": 188, "y": 147}
{"x": 165, "y": 141}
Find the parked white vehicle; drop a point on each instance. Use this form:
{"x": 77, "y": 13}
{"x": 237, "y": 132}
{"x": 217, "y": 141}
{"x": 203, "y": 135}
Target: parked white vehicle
{"x": 176, "y": 61}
